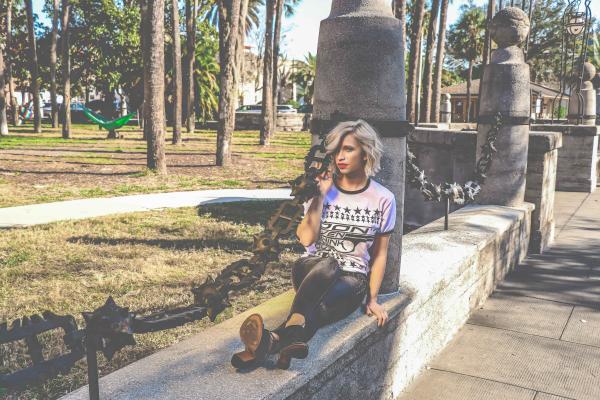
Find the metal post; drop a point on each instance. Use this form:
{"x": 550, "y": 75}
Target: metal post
{"x": 92, "y": 365}
{"x": 447, "y": 209}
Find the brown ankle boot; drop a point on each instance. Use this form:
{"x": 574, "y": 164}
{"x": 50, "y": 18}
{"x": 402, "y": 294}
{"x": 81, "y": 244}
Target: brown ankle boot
{"x": 258, "y": 341}
{"x": 292, "y": 344}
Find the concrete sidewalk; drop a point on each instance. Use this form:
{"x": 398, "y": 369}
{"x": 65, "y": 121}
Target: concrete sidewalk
{"x": 36, "y": 214}
{"x": 538, "y": 336}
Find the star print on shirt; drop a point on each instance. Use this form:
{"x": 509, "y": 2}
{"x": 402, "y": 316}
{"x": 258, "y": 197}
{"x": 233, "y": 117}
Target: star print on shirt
{"x": 337, "y": 208}
{"x": 367, "y": 210}
{"x": 347, "y": 209}
{"x": 357, "y": 210}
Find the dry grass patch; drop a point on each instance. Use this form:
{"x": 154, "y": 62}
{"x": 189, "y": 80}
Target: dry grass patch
{"x": 38, "y": 168}
{"x": 146, "y": 261}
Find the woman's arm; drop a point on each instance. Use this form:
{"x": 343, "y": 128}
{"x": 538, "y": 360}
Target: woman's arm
{"x": 308, "y": 229}
{"x": 380, "y": 248}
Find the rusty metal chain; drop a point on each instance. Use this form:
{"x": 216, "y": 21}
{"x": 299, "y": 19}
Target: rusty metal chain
{"x": 214, "y": 293}
{"x": 454, "y": 192}
{"x": 110, "y": 327}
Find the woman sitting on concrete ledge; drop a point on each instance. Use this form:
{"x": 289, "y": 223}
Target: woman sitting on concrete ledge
{"x": 346, "y": 230}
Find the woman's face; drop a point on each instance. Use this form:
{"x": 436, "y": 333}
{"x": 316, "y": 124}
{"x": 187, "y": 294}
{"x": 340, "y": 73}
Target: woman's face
{"x": 350, "y": 157}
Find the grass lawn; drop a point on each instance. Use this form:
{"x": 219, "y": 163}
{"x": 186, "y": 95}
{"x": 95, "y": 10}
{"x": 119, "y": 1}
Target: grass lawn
{"x": 39, "y": 168}
{"x": 146, "y": 261}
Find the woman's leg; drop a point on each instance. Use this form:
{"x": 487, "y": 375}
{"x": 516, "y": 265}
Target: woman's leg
{"x": 343, "y": 297}
{"x": 302, "y": 267}
{"x": 315, "y": 284}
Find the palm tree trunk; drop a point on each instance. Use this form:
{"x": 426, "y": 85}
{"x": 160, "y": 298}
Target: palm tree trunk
{"x": 3, "y": 120}
{"x": 267, "y": 128}
{"x": 439, "y": 64}
{"x": 54, "y": 34}
{"x": 191, "y": 13}
{"x": 426, "y": 109}
{"x": 241, "y": 41}
{"x": 276, "y": 46}
{"x": 11, "y": 89}
{"x": 154, "y": 93}
{"x": 66, "y": 69}
{"x": 413, "y": 59}
{"x": 33, "y": 67}
{"x": 487, "y": 43}
{"x": 229, "y": 23}
{"x": 177, "y": 81}
{"x": 469, "y": 80}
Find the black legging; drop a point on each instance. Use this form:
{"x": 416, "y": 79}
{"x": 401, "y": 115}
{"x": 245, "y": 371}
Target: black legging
{"x": 324, "y": 292}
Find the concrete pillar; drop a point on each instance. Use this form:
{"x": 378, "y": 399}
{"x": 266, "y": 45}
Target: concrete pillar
{"x": 360, "y": 74}
{"x": 582, "y": 106}
{"x": 505, "y": 90}
{"x": 446, "y": 109}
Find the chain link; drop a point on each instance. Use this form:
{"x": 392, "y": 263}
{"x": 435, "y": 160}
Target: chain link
{"x": 454, "y": 192}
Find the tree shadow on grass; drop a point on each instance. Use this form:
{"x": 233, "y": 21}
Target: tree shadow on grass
{"x": 242, "y": 212}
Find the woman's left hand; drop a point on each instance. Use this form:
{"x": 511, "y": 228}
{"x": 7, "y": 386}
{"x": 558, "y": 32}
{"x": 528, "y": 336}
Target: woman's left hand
{"x": 377, "y": 310}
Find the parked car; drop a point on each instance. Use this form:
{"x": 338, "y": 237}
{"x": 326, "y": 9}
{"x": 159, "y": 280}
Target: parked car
{"x": 257, "y": 108}
{"x": 305, "y": 109}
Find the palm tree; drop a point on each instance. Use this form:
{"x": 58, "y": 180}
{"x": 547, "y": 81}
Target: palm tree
{"x": 66, "y": 69}
{"x": 414, "y": 57}
{"x": 154, "y": 85}
{"x": 35, "y": 81}
{"x": 267, "y": 128}
{"x": 191, "y": 15}
{"x": 229, "y": 21}
{"x": 466, "y": 41}
{"x": 3, "y": 120}
{"x": 426, "y": 110}
{"x": 53, "y": 35}
{"x": 304, "y": 75}
{"x": 439, "y": 63}
{"x": 177, "y": 81}
{"x": 11, "y": 89}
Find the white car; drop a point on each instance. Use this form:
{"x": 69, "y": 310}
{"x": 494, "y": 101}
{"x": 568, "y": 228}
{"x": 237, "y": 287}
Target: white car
{"x": 257, "y": 109}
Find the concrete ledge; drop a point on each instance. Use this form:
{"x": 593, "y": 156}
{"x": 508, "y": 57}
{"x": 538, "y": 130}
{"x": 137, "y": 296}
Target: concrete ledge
{"x": 445, "y": 274}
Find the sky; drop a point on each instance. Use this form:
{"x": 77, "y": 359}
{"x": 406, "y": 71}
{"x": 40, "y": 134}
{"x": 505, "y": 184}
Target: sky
{"x": 301, "y": 31}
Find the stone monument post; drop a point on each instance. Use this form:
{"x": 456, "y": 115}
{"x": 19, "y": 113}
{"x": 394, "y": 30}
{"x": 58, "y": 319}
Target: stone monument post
{"x": 360, "y": 74}
{"x": 582, "y": 106}
{"x": 446, "y": 109}
{"x": 505, "y": 91}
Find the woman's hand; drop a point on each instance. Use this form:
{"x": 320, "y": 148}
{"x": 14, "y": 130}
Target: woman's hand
{"x": 325, "y": 181}
{"x": 377, "y": 310}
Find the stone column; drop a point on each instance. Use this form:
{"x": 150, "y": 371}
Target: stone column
{"x": 505, "y": 90}
{"x": 360, "y": 74}
{"x": 446, "y": 109}
{"x": 582, "y": 106}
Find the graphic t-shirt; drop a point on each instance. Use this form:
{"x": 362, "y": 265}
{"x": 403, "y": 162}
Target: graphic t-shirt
{"x": 349, "y": 223}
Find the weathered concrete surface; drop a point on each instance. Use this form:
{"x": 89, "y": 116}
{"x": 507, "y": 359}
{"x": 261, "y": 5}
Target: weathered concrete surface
{"x": 449, "y": 156}
{"x": 578, "y": 159}
{"x": 539, "y": 331}
{"x": 360, "y": 74}
{"x": 445, "y": 275}
{"x": 542, "y": 160}
{"x": 37, "y": 214}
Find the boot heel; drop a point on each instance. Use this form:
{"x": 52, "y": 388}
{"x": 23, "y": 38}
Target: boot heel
{"x": 295, "y": 350}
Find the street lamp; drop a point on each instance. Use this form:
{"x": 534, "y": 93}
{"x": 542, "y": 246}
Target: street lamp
{"x": 576, "y": 23}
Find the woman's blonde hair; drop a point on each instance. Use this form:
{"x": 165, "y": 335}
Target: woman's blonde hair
{"x": 365, "y": 135}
